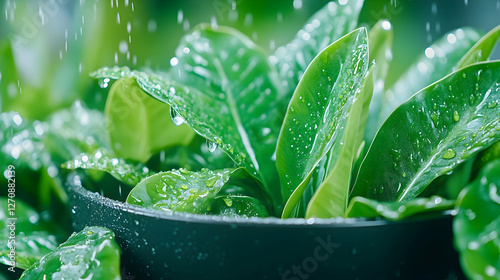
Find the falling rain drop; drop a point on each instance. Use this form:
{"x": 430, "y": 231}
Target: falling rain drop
{"x": 176, "y": 118}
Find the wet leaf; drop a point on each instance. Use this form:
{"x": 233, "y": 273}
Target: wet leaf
{"x": 325, "y": 27}
{"x": 184, "y": 191}
{"x": 89, "y": 254}
{"x": 317, "y": 117}
{"x": 238, "y": 207}
{"x": 477, "y": 225}
{"x": 34, "y": 237}
{"x": 330, "y": 199}
{"x": 367, "y": 208}
{"x": 129, "y": 173}
{"x": 440, "y": 59}
{"x": 138, "y": 124}
{"x": 231, "y": 96}
{"x": 437, "y": 129}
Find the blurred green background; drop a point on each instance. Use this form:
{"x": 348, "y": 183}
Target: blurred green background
{"x": 56, "y": 43}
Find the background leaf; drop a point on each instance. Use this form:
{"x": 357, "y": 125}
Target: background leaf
{"x": 90, "y": 253}
{"x": 477, "y": 224}
{"x": 318, "y": 113}
{"x": 139, "y": 125}
{"x": 438, "y": 60}
{"x": 482, "y": 49}
{"x": 325, "y": 27}
{"x": 433, "y": 132}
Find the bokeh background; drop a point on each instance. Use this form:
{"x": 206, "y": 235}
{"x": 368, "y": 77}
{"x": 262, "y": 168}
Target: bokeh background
{"x": 48, "y": 47}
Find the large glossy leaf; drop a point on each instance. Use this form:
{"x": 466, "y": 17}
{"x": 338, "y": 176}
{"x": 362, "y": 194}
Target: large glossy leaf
{"x": 191, "y": 192}
{"x": 318, "y": 114}
{"x": 380, "y": 40}
{"x": 89, "y": 254}
{"x": 325, "y": 27}
{"x": 231, "y": 97}
{"x": 361, "y": 207}
{"x": 330, "y": 199}
{"x": 138, "y": 124}
{"x": 34, "y": 236}
{"x": 440, "y": 59}
{"x": 433, "y": 132}
{"x": 477, "y": 225}
{"x": 129, "y": 173}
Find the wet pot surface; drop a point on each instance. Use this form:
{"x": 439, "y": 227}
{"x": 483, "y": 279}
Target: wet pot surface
{"x": 159, "y": 245}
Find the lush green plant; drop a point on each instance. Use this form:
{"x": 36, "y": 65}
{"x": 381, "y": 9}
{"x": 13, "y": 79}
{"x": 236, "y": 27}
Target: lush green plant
{"x": 312, "y": 130}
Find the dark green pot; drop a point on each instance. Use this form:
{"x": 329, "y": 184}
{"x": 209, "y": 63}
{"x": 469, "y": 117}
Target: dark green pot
{"x": 159, "y": 245}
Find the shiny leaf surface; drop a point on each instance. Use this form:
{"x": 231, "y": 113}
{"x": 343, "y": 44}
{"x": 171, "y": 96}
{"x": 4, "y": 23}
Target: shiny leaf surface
{"x": 477, "y": 225}
{"x": 89, "y": 254}
{"x": 437, "y": 129}
{"x": 34, "y": 237}
{"x": 437, "y": 61}
{"x": 125, "y": 172}
{"x": 317, "y": 116}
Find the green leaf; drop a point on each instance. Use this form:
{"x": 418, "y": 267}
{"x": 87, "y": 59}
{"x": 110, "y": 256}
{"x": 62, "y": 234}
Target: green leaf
{"x": 367, "y": 208}
{"x": 477, "y": 225}
{"x": 330, "y": 199}
{"x": 231, "y": 99}
{"x": 380, "y": 40}
{"x": 180, "y": 190}
{"x": 34, "y": 236}
{"x": 238, "y": 207}
{"x": 185, "y": 191}
{"x": 430, "y": 134}
{"x": 317, "y": 116}
{"x": 129, "y": 173}
{"x": 89, "y": 254}
{"x": 440, "y": 59}
{"x": 139, "y": 125}
{"x": 482, "y": 49}
{"x": 326, "y": 26}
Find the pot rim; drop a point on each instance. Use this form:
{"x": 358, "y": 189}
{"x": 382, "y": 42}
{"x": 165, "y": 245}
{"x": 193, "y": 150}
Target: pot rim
{"x": 74, "y": 184}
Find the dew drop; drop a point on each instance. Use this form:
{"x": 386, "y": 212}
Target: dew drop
{"x": 212, "y": 146}
{"x": 449, "y": 154}
{"x": 228, "y": 201}
{"x": 176, "y": 118}
{"x": 492, "y": 104}
{"x": 456, "y": 116}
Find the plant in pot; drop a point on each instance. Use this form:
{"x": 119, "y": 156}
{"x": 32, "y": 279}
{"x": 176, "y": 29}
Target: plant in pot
{"x": 304, "y": 163}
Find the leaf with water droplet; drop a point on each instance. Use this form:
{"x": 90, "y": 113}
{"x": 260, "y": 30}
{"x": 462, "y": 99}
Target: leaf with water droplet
{"x": 90, "y": 253}
{"x": 477, "y": 224}
{"x": 138, "y": 125}
{"x": 325, "y": 27}
{"x": 428, "y": 70}
{"x": 126, "y": 172}
{"x": 427, "y": 142}
{"x": 190, "y": 192}
{"x": 35, "y": 237}
{"x": 346, "y": 61}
